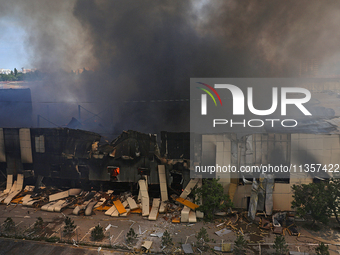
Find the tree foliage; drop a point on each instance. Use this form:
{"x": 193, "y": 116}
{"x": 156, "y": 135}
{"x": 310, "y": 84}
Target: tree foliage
{"x": 322, "y": 249}
{"x": 69, "y": 225}
{"x": 333, "y": 198}
{"x": 131, "y": 236}
{"x": 166, "y": 239}
{"x": 213, "y": 197}
{"x": 97, "y": 233}
{"x": 202, "y": 238}
{"x": 312, "y": 200}
{"x": 280, "y": 245}
{"x": 39, "y": 224}
{"x": 19, "y": 76}
{"x": 9, "y": 224}
{"x": 240, "y": 245}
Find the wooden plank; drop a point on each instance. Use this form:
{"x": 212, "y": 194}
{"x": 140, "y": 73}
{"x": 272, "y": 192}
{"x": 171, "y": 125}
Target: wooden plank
{"x": 111, "y": 210}
{"x": 187, "y": 203}
{"x": 176, "y": 220}
{"x": 119, "y": 206}
{"x": 126, "y": 205}
{"x": 132, "y": 203}
{"x": 115, "y": 213}
{"x": 137, "y": 211}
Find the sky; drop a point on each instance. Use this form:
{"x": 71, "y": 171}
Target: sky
{"x": 12, "y": 52}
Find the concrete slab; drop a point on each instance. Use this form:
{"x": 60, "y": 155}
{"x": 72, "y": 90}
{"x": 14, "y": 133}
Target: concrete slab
{"x": 154, "y": 210}
{"x": 185, "y": 214}
{"x": 144, "y": 198}
{"x": 189, "y": 187}
{"x": 223, "y": 232}
{"x": 163, "y": 183}
{"x": 192, "y": 217}
{"x": 59, "y": 195}
{"x": 162, "y": 207}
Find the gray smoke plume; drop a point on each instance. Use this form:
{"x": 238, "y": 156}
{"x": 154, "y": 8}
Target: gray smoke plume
{"x": 143, "y": 53}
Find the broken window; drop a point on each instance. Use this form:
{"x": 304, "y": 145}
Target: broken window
{"x": 40, "y": 144}
{"x": 265, "y": 150}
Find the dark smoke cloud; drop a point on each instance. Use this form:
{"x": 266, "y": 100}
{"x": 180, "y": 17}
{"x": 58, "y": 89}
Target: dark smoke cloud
{"x": 146, "y": 51}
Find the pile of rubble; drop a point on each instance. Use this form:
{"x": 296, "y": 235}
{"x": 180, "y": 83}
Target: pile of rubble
{"x": 84, "y": 202}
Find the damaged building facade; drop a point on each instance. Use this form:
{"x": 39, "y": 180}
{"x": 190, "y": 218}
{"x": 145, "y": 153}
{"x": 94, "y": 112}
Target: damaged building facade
{"x": 291, "y": 151}
{"x": 70, "y": 154}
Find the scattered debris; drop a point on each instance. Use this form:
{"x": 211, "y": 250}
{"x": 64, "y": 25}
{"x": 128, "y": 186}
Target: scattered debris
{"x": 223, "y": 232}
{"x": 158, "y": 234}
{"x": 147, "y": 245}
{"x": 187, "y": 248}
{"x": 187, "y": 203}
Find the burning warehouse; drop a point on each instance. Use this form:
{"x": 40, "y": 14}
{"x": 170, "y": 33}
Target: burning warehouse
{"x": 68, "y": 154}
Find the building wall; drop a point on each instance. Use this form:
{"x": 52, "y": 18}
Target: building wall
{"x": 295, "y": 149}
{"x": 220, "y": 149}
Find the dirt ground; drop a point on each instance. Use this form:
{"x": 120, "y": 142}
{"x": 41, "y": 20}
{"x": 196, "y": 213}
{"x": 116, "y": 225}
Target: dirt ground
{"x": 182, "y": 233}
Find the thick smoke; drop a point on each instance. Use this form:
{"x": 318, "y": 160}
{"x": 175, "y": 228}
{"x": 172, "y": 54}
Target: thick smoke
{"x": 144, "y": 53}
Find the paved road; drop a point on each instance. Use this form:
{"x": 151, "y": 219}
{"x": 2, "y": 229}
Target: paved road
{"x": 16, "y": 247}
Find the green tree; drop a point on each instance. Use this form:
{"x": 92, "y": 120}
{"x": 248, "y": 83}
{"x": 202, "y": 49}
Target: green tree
{"x": 240, "y": 245}
{"x": 69, "y": 226}
{"x": 202, "y": 238}
{"x": 166, "y": 239}
{"x": 97, "y": 233}
{"x": 333, "y": 202}
{"x": 322, "y": 249}
{"x": 9, "y": 224}
{"x": 39, "y": 224}
{"x": 15, "y": 72}
{"x": 280, "y": 245}
{"x": 213, "y": 197}
{"x": 131, "y": 236}
{"x": 312, "y": 200}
